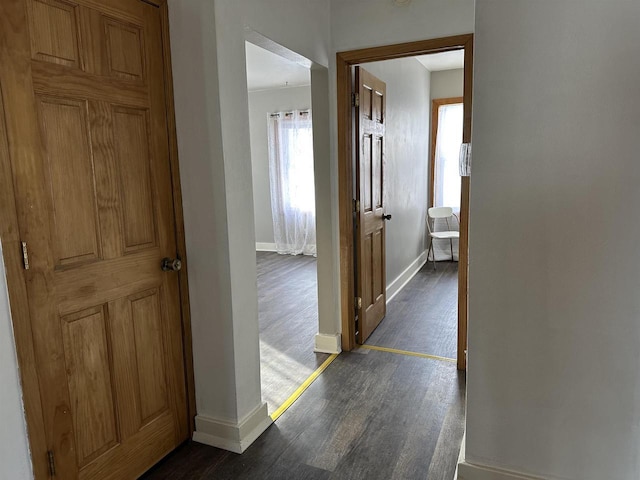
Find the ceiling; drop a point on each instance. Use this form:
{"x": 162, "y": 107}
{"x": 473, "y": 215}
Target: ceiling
{"x": 436, "y": 62}
{"x": 267, "y": 70}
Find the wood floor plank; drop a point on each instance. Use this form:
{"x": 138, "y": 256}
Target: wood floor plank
{"x": 370, "y": 415}
{"x": 288, "y": 316}
{"x": 423, "y": 316}
{"x": 442, "y": 462}
{"x": 388, "y": 438}
{"x": 334, "y": 436}
{"x": 411, "y": 429}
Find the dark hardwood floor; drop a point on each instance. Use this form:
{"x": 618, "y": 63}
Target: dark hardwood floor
{"x": 423, "y": 316}
{"x": 371, "y": 414}
{"x": 288, "y": 313}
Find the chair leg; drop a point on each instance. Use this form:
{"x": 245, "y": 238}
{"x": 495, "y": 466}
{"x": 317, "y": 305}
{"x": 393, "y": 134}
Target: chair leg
{"x": 451, "y": 245}
{"x": 433, "y": 252}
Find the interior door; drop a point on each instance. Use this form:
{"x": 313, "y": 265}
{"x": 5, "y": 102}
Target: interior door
{"x": 370, "y": 224}
{"x": 84, "y": 103}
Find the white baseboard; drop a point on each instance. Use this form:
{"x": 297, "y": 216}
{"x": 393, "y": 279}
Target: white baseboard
{"x": 328, "y": 343}
{"x": 229, "y": 436}
{"x": 469, "y": 471}
{"x": 461, "y": 454}
{"x": 399, "y": 283}
{"x": 266, "y": 247}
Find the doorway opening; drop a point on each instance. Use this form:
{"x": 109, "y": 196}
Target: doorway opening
{"x": 360, "y": 255}
{"x": 282, "y": 156}
{"x": 417, "y": 311}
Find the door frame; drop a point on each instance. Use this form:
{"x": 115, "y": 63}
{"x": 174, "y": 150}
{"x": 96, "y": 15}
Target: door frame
{"x": 17, "y": 288}
{"x": 344, "y": 62}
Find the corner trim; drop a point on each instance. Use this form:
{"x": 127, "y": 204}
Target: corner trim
{"x": 266, "y": 247}
{"x": 469, "y": 471}
{"x": 405, "y": 277}
{"x": 230, "y": 436}
{"x": 326, "y": 343}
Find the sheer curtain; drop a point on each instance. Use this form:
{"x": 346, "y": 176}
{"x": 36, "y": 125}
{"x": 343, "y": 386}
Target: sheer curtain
{"x": 292, "y": 186}
{"x": 447, "y": 182}
{"x": 449, "y": 138}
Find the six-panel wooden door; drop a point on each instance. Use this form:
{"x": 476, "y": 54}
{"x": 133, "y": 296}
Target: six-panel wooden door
{"x": 83, "y": 90}
{"x": 370, "y": 224}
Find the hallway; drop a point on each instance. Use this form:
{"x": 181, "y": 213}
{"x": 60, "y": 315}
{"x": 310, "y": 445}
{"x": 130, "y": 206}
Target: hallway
{"x": 423, "y": 316}
{"x": 371, "y": 414}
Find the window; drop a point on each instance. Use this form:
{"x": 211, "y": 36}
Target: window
{"x": 448, "y": 117}
{"x": 292, "y": 182}
{"x": 299, "y": 138}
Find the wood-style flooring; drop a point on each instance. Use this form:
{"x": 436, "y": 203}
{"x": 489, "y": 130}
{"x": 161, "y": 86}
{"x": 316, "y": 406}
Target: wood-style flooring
{"x": 370, "y": 415}
{"x": 423, "y": 316}
{"x": 288, "y": 315}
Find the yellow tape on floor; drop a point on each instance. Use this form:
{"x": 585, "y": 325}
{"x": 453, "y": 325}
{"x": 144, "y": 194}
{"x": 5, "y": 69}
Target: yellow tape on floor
{"x": 283, "y": 408}
{"x": 406, "y": 352}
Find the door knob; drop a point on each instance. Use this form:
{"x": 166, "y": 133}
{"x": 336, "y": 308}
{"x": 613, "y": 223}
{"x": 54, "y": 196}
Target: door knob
{"x": 386, "y": 217}
{"x": 171, "y": 264}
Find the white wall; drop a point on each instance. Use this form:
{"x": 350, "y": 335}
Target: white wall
{"x": 208, "y": 50}
{"x": 406, "y": 160}
{"x": 447, "y": 83}
{"x": 15, "y": 459}
{"x": 261, "y": 104}
{"x": 367, "y": 23}
{"x": 554, "y": 332}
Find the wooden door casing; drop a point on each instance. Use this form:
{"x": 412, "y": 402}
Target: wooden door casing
{"x": 370, "y": 225}
{"x": 344, "y": 64}
{"x": 83, "y": 89}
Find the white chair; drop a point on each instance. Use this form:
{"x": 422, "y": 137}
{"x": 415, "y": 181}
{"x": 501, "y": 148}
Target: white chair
{"x": 435, "y": 213}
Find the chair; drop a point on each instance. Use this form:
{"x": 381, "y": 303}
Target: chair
{"x": 435, "y": 213}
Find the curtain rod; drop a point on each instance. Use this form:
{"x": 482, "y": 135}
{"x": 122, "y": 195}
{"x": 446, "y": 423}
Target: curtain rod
{"x": 302, "y": 112}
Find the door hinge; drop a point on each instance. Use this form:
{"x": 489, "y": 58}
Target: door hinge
{"x": 358, "y": 303}
{"x": 356, "y": 206}
{"x": 52, "y": 463}
{"x": 25, "y": 255}
{"x": 355, "y": 99}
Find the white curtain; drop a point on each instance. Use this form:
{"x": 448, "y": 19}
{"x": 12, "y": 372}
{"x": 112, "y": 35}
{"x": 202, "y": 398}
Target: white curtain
{"x": 447, "y": 182}
{"x": 292, "y": 186}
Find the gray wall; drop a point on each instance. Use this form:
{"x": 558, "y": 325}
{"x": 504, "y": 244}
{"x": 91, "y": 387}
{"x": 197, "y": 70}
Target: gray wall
{"x": 406, "y": 160}
{"x": 261, "y": 103}
{"x": 14, "y": 450}
{"x": 447, "y": 83}
{"x": 554, "y": 317}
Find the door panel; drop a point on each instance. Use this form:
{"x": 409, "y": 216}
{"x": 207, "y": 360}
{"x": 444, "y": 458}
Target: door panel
{"x": 86, "y": 350}
{"x": 370, "y": 226}
{"x": 124, "y": 50}
{"x": 55, "y": 32}
{"x": 367, "y": 148}
{"x": 83, "y": 89}
{"x": 147, "y": 333}
{"x": 132, "y": 153}
{"x": 67, "y": 148}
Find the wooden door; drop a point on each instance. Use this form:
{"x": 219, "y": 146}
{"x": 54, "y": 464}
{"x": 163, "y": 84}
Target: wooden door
{"x": 85, "y": 111}
{"x": 370, "y": 224}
